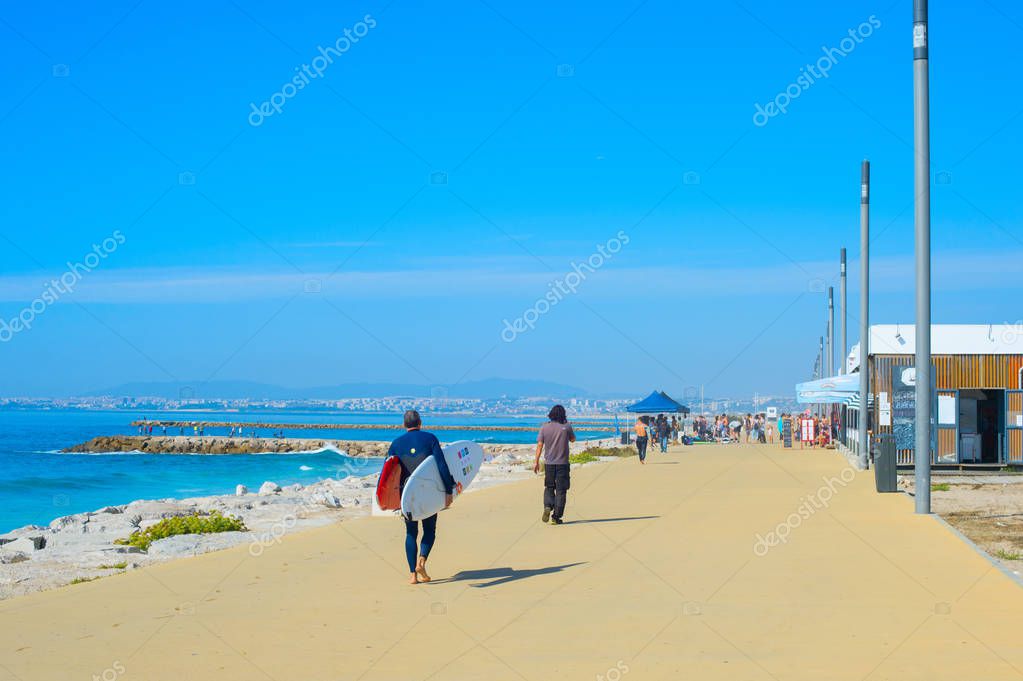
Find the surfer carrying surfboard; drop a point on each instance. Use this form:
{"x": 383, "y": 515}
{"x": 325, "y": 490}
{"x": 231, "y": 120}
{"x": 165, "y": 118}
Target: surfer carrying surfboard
{"x": 554, "y": 437}
{"x": 412, "y": 450}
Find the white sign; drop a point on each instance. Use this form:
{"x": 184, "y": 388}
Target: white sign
{"x": 946, "y": 410}
{"x": 1019, "y": 420}
{"x": 772, "y": 412}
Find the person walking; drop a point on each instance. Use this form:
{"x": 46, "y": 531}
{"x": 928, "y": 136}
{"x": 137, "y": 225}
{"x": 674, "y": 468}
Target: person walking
{"x": 642, "y": 433}
{"x": 663, "y": 432}
{"x": 553, "y": 442}
{"x": 413, "y": 449}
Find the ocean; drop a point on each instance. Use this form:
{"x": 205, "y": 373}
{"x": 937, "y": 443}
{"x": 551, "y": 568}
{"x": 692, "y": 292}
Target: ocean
{"x": 38, "y": 483}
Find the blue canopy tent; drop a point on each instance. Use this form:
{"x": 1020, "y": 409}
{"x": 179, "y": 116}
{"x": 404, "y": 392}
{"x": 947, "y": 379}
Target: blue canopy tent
{"x": 657, "y": 403}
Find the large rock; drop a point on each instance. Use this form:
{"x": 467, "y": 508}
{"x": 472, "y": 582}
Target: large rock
{"x": 195, "y": 544}
{"x": 241, "y": 490}
{"x": 326, "y": 499}
{"x": 24, "y": 544}
{"x": 268, "y": 488}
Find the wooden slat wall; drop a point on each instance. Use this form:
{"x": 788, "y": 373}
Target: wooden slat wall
{"x": 1015, "y": 439}
{"x": 1013, "y": 436}
{"x": 1013, "y": 407}
{"x": 947, "y": 444}
{"x": 952, "y": 372}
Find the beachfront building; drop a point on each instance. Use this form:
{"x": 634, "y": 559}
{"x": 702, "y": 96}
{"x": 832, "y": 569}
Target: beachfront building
{"x": 978, "y": 387}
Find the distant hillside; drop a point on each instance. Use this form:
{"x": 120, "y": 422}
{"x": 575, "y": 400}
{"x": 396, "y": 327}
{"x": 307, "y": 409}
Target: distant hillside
{"x": 487, "y": 388}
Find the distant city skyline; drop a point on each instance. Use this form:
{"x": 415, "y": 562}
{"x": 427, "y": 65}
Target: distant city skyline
{"x": 616, "y": 198}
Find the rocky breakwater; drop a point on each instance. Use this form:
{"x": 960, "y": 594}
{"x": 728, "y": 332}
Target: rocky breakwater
{"x": 218, "y": 444}
{"x": 84, "y": 546}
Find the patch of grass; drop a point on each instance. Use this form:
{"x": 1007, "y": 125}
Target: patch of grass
{"x": 82, "y": 580}
{"x": 1008, "y": 555}
{"x": 941, "y": 487}
{"x": 115, "y": 566}
{"x": 184, "y": 524}
{"x": 581, "y": 457}
{"x": 593, "y": 453}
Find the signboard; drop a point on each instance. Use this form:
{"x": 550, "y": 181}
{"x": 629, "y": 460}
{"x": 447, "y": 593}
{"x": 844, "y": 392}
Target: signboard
{"x": 806, "y": 434}
{"x": 904, "y": 407}
{"x": 772, "y": 412}
{"x": 884, "y": 409}
{"x": 946, "y": 410}
{"x": 786, "y": 432}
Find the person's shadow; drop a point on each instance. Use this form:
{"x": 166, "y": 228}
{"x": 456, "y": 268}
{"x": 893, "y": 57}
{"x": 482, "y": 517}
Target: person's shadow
{"x": 502, "y": 575}
{"x": 610, "y": 520}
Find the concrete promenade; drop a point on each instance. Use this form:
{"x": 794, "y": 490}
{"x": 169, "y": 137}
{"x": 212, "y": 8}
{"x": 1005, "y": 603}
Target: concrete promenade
{"x": 710, "y": 562}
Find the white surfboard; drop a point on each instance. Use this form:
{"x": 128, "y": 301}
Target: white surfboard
{"x": 424, "y": 490}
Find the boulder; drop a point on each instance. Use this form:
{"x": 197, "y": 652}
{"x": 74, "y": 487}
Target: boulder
{"x": 241, "y": 490}
{"x": 24, "y": 544}
{"x": 268, "y": 488}
{"x": 195, "y": 544}
{"x": 9, "y": 558}
{"x": 326, "y": 499}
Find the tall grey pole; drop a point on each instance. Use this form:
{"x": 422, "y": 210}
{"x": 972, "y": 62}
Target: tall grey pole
{"x": 922, "y": 148}
{"x": 864, "y": 419}
{"x": 842, "y": 314}
{"x": 831, "y": 331}
{"x": 820, "y": 374}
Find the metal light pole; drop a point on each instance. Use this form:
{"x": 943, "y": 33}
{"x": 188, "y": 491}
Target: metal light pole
{"x": 831, "y": 331}
{"x": 820, "y": 372}
{"x": 864, "y": 419}
{"x": 842, "y": 316}
{"x": 922, "y": 149}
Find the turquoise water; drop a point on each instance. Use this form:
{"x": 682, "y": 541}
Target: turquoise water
{"x": 38, "y": 484}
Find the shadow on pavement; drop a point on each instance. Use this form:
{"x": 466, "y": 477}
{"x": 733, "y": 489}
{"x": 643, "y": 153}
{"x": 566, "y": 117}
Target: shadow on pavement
{"x": 610, "y": 520}
{"x": 501, "y": 575}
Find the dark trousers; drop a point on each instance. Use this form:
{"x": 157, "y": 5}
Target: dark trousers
{"x": 556, "y": 482}
{"x": 412, "y": 534}
{"x": 641, "y": 446}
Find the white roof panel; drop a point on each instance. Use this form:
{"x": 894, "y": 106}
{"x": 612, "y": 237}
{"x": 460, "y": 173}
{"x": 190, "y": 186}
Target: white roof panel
{"x": 946, "y": 339}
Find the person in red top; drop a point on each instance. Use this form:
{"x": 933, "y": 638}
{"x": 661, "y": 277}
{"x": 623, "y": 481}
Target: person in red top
{"x": 555, "y": 436}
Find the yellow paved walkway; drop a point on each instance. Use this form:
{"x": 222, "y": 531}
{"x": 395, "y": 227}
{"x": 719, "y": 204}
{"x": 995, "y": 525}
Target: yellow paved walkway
{"x": 655, "y": 576}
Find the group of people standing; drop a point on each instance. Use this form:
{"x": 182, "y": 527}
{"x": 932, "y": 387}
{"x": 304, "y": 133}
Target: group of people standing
{"x": 650, "y": 430}
{"x": 751, "y": 428}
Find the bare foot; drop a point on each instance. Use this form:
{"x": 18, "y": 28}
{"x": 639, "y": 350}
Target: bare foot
{"x": 421, "y": 571}
{"x": 412, "y": 579}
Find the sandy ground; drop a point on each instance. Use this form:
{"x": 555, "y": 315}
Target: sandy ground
{"x": 986, "y": 508}
{"x": 81, "y": 546}
{"x": 710, "y": 562}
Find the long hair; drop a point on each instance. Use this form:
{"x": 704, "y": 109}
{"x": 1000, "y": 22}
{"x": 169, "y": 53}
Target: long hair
{"x": 557, "y": 414}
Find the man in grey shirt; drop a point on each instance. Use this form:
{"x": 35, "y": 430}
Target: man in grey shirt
{"x": 554, "y": 437}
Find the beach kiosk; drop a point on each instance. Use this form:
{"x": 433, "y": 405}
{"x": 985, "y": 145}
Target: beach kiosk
{"x": 978, "y": 392}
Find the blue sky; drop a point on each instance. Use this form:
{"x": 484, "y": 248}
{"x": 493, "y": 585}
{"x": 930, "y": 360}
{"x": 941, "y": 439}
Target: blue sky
{"x": 321, "y": 246}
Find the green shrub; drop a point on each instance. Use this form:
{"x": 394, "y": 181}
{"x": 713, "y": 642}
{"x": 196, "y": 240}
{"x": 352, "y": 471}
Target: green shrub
{"x": 1008, "y": 555}
{"x": 184, "y": 524}
{"x": 581, "y": 457}
{"x": 593, "y": 453}
{"x": 82, "y": 580}
{"x": 941, "y": 487}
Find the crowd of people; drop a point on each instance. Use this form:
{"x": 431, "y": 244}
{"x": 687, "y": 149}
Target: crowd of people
{"x": 751, "y": 428}
{"x": 658, "y": 430}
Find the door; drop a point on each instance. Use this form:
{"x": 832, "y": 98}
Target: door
{"x": 1014, "y": 426}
